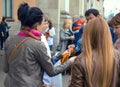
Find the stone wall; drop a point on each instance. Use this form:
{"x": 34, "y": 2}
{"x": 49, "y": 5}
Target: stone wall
{"x": 52, "y": 9}
{"x": 15, "y": 27}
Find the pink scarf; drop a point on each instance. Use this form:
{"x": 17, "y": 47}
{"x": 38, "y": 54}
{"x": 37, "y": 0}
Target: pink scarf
{"x": 30, "y": 33}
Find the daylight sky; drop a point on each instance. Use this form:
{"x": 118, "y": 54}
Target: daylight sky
{"x": 111, "y": 6}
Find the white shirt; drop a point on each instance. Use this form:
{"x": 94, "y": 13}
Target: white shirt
{"x": 52, "y": 34}
{"x": 43, "y": 39}
{"x": 46, "y": 78}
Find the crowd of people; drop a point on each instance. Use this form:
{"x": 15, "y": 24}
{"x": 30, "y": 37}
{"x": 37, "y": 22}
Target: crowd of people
{"x": 88, "y": 48}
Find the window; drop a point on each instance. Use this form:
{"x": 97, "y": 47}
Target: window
{"x": 7, "y": 8}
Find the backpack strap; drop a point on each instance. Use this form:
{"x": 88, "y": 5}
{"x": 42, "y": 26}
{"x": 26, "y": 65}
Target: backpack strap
{"x": 14, "y": 50}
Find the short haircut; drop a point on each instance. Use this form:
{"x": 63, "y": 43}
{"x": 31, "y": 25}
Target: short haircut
{"x": 115, "y": 20}
{"x": 95, "y": 12}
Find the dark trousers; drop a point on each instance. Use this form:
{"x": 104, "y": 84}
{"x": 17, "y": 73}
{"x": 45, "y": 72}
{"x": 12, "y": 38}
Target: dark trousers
{"x": 2, "y": 40}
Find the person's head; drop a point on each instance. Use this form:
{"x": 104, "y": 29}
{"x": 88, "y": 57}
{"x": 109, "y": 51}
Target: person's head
{"x": 75, "y": 18}
{"x": 91, "y": 14}
{"x": 97, "y": 39}
{"x": 115, "y": 22}
{"x": 3, "y": 19}
{"x": 67, "y": 23}
{"x": 31, "y": 17}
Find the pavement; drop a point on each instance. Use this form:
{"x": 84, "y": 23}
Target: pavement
{"x": 65, "y": 78}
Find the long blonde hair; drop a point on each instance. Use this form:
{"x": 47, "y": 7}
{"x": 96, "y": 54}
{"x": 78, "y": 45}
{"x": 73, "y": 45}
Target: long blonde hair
{"x": 97, "y": 37}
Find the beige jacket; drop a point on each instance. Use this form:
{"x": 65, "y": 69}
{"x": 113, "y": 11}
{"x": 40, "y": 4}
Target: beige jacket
{"x": 28, "y": 63}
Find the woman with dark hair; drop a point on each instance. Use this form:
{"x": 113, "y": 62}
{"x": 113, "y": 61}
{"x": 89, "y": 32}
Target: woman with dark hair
{"x": 26, "y": 55}
{"x": 5, "y": 26}
{"x": 4, "y": 32}
{"x": 99, "y": 63}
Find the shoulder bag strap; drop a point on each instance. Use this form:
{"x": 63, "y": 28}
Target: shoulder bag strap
{"x": 14, "y": 50}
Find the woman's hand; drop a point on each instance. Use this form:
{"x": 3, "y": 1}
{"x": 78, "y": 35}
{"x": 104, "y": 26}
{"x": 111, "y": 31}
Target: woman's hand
{"x": 72, "y": 37}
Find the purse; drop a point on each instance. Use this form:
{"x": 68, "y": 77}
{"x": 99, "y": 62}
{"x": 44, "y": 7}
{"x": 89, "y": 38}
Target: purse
{"x": 15, "y": 49}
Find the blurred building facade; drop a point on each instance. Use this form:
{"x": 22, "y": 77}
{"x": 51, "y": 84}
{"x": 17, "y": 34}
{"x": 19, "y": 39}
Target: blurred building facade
{"x": 57, "y": 10}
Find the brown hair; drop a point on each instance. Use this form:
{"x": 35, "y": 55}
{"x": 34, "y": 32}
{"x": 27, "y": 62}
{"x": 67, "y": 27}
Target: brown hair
{"x": 50, "y": 24}
{"x": 96, "y": 37}
{"x": 115, "y": 20}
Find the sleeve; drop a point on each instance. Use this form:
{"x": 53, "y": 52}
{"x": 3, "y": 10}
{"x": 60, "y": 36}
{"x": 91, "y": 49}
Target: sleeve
{"x": 56, "y": 57}
{"x": 63, "y": 36}
{"x": 0, "y": 31}
{"x": 78, "y": 76}
{"x": 1, "y": 28}
{"x": 46, "y": 62}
